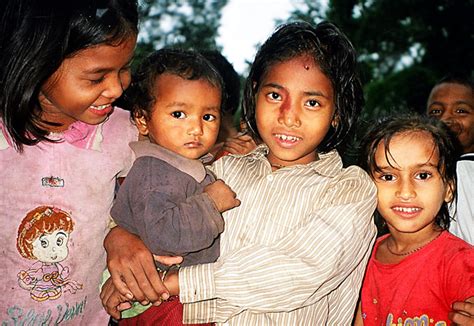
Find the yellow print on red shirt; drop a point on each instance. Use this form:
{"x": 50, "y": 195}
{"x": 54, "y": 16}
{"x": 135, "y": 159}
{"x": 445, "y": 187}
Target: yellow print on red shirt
{"x": 423, "y": 320}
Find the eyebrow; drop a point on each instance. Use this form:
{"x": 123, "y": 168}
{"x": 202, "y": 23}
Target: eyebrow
{"x": 308, "y": 93}
{"x": 455, "y": 102}
{"x": 418, "y": 166}
{"x": 106, "y": 69}
{"x": 183, "y": 105}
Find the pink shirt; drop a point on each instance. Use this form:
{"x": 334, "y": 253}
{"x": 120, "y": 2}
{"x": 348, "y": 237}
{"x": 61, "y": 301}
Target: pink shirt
{"x": 55, "y": 200}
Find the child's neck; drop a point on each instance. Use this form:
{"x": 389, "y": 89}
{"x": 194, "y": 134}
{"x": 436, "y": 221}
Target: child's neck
{"x": 398, "y": 245}
{"x": 277, "y": 163}
{"x": 54, "y": 123}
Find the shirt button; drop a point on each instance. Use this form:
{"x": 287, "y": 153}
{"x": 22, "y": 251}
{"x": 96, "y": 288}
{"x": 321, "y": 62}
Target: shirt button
{"x": 270, "y": 177}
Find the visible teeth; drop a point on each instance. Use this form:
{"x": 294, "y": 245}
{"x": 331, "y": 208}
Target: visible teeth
{"x": 287, "y": 137}
{"x": 407, "y": 209}
{"x": 100, "y": 107}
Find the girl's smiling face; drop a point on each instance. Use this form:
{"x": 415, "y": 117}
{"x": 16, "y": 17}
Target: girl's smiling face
{"x": 51, "y": 247}
{"x": 410, "y": 188}
{"x": 454, "y": 104}
{"x": 86, "y": 84}
{"x": 294, "y": 110}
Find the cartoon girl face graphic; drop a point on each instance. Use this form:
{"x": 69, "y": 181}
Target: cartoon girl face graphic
{"x": 51, "y": 248}
{"x": 43, "y": 236}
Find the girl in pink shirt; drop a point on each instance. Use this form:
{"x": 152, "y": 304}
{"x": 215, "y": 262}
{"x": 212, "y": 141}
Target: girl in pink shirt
{"x": 62, "y": 146}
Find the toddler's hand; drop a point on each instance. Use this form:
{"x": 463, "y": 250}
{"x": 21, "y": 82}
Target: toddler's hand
{"x": 224, "y": 198}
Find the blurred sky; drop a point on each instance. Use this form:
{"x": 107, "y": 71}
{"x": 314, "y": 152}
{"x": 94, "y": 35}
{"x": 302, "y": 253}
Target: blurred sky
{"x": 246, "y": 23}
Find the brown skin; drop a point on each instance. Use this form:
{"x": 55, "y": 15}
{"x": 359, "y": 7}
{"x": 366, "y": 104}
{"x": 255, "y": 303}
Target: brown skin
{"x": 454, "y": 104}
{"x": 86, "y": 84}
{"x": 463, "y": 312}
{"x": 114, "y": 301}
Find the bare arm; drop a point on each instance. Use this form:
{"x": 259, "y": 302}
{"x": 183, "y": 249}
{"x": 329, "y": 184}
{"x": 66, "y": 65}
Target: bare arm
{"x": 358, "y": 317}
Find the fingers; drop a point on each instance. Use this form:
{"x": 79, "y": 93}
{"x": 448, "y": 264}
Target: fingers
{"x": 168, "y": 260}
{"x": 463, "y": 312}
{"x": 461, "y": 319}
{"x": 151, "y": 284}
{"x": 132, "y": 267}
{"x": 240, "y": 145}
{"x": 124, "y": 281}
{"x": 112, "y": 301}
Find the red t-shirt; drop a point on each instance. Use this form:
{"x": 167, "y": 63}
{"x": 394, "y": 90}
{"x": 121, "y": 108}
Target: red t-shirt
{"x": 420, "y": 289}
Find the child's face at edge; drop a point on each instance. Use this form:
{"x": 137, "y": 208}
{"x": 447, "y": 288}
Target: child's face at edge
{"x": 185, "y": 117}
{"x": 85, "y": 85}
{"x": 410, "y": 193}
{"x": 294, "y": 110}
{"x": 454, "y": 104}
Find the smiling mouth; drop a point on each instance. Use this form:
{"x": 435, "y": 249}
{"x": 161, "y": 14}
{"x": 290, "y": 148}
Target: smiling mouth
{"x": 406, "y": 210}
{"x": 100, "y": 107}
{"x": 287, "y": 138}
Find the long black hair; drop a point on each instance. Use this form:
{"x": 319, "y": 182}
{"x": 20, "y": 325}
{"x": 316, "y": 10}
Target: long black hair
{"x": 336, "y": 57}
{"x": 36, "y": 37}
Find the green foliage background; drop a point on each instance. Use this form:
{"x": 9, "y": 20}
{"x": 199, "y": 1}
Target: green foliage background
{"x": 404, "y": 46}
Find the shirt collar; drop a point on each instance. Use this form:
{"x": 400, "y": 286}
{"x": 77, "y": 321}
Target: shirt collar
{"x": 79, "y": 134}
{"x": 194, "y": 168}
{"x": 329, "y": 164}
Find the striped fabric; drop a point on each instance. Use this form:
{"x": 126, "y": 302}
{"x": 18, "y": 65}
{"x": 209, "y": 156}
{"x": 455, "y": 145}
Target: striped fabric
{"x": 293, "y": 253}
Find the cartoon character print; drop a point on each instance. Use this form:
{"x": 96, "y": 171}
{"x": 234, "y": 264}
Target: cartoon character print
{"x": 43, "y": 235}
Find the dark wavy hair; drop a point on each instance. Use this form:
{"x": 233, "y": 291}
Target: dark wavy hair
{"x": 336, "y": 57}
{"x": 230, "y": 77}
{"x": 445, "y": 141}
{"x": 187, "y": 64}
{"x": 37, "y": 35}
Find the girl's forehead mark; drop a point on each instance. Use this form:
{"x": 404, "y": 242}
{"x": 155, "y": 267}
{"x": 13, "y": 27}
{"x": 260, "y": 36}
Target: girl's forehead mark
{"x": 307, "y": 62}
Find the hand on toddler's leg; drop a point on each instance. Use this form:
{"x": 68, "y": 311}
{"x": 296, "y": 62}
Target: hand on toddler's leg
{"x": 132, "y": 268}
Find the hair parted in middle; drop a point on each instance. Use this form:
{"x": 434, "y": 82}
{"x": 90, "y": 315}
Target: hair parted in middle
{"x": 187, "y": 64}
{"x": 332, "y": 52}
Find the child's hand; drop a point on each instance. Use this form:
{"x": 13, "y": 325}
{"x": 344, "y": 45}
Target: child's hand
{"x": 132, "y": 268}
{"x": 168, "y": 260}
{"x": 463, "y": 312}
{"x": 112, "y": 301}
{"x": 239, "y": 145}
{"x": 224, "y": 198}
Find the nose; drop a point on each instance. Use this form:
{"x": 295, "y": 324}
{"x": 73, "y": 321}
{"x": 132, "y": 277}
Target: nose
{"x": 446, "y": 115}
{"x": 117, "y": 84}
{"x": 195, "y": 127}
{"x": 289, "y": 115}
{"x": 405, "y": 190}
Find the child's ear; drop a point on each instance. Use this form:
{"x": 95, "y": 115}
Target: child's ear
{"x": 449, "y": 192}
{"x": 141, "y": 123}
{"x": 335, "y": 121}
